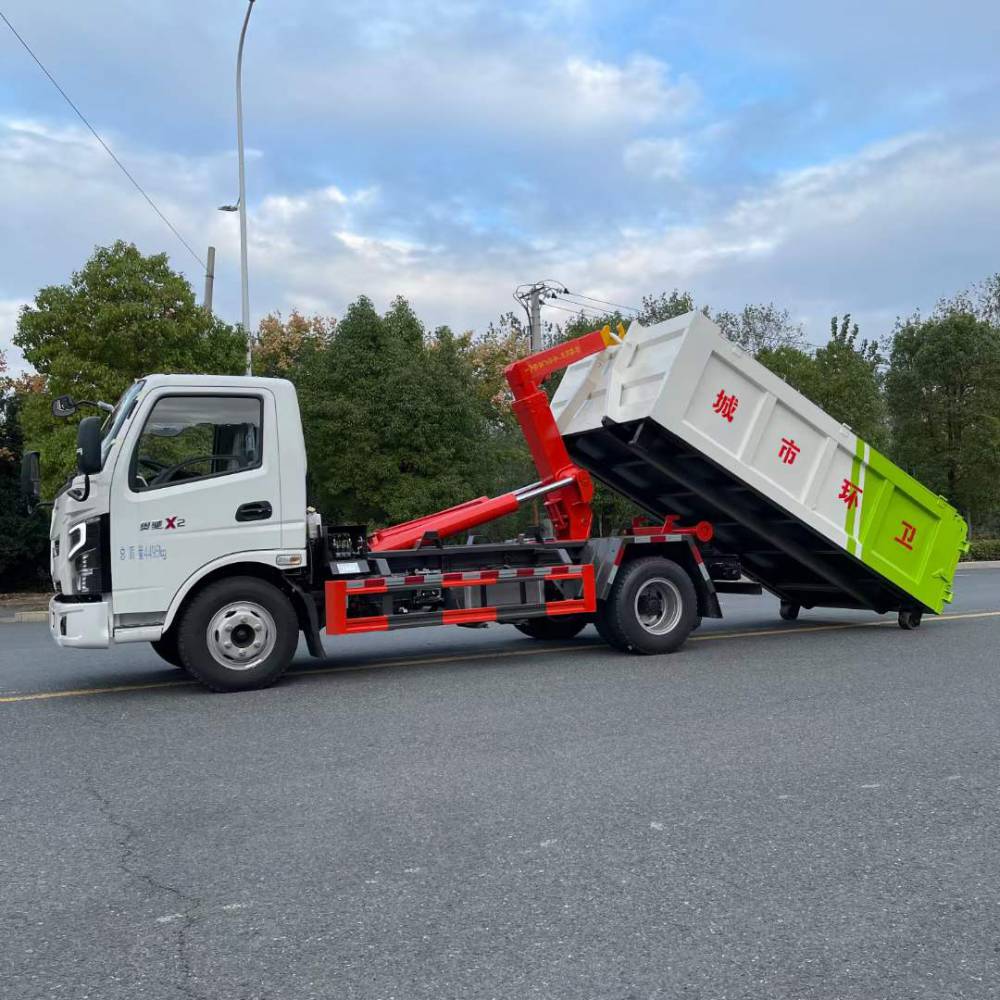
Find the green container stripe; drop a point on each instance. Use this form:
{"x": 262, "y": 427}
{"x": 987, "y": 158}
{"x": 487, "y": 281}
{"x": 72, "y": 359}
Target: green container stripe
{"x": 907, "y": 534}
{"x": 852, "y": 512}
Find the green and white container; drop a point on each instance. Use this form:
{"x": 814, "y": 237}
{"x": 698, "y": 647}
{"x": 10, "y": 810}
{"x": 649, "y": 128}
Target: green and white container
{"x": 684, "y": 422}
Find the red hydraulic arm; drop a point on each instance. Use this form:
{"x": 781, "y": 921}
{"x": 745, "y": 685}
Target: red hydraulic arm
{"x": 568, "y": 506}
{"x": 567, "y": 488}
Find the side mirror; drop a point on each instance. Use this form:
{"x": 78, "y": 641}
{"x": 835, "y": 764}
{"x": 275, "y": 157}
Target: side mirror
{"x": 31, "y": 481}
{"x": 63, "y": 406}
{"x": 88, "y": 446}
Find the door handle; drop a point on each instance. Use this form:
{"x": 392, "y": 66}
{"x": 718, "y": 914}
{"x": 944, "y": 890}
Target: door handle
{"x": 256, "y": 510}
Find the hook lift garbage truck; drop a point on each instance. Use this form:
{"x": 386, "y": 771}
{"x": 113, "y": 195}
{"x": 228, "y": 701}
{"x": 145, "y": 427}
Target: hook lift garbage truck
{"x": 186, "y": 525}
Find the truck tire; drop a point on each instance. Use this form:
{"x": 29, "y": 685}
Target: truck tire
{"x": 652, "y": 606}
{"x": 166, "y": 648}
{"x": 789, "y": 611}
{"x": 238, "y": 634}
{"x": 606, "y": 630}
{"x": 554, "y": 627}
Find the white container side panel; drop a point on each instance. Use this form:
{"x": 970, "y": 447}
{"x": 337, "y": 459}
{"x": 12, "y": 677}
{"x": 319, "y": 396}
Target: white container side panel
{"x": 687, "y": 377}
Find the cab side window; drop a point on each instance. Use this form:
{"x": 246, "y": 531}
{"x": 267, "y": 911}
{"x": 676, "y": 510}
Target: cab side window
{"x": 197, "y": 437}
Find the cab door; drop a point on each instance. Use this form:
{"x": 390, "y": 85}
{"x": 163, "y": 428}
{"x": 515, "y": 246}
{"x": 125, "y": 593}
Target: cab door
{"x": 198, "y": 479}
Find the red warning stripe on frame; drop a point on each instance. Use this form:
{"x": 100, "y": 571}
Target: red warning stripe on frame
{"x": 459, "y": 616}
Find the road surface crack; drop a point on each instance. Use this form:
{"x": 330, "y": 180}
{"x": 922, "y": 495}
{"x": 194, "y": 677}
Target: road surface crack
{"x": 129, "y": 861}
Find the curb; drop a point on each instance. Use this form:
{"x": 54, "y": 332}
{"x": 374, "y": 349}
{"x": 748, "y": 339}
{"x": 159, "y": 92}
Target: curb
{"x": 979, "y": 564}
{"x": 31, "y": 616}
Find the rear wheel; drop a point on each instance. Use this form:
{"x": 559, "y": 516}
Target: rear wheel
{"x": 166, "y": 648}
{"x": 238, "y": 634}
{"x": 789, "y": 611}
{"x": 554, "y": 627}
{"x": 652, "y": 606}
{"x": 606, "y": 630}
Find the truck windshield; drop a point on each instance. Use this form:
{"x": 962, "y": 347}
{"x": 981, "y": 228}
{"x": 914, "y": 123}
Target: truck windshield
{"x": 116, "y": 419}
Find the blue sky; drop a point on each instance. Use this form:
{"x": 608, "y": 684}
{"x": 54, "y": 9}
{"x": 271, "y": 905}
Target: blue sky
{"x": 828, "y": 157}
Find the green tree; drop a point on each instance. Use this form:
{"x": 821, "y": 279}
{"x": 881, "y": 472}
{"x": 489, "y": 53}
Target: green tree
{"x": 849, "y": 381}
{"x": 757, "y": 328}
{"x": 666, "y": 305}
{"x": 283, "y": 345}
{"x": 943, "y": 395}
{"x": 394, "y": 424}
{"x": 23, "y": 538}
{"x": 842, "y": 377}
{"x": 795, "y": 365}
{"x": 122, "y": 316}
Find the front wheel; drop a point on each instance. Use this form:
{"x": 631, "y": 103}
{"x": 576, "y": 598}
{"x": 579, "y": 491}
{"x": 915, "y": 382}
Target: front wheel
{"x": 789, "y": 611}
{"x": 909, "y": 619}
{"x": 652, "y": 606}
{"x": 166, "y": 648}
{"x": 554, "y": 627}
{"x": 238, "y": 634}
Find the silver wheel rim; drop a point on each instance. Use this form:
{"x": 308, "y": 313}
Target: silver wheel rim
{"x": 241, "y": 635}
{"x": 658, "y": 606}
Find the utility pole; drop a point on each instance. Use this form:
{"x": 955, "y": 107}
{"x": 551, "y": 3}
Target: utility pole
{"x": 244, "y": 277}
{"x": 530, "y": 297}
{"x": 241, "y": 203}
{"x": 535, "y": 298}
{"x": 209, "y": 279}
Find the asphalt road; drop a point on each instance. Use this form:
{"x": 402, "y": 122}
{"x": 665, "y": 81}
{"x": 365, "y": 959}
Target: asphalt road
{"x": 805, "y": 810}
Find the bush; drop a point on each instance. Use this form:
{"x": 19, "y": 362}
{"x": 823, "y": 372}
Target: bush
{"x": 983, "y": 549}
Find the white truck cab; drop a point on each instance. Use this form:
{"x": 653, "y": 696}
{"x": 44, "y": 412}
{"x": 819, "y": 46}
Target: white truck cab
{"x": 195, "y": 475}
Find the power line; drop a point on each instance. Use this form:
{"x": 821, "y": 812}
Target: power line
{"x": 604, "y": 302}
{"x": 575, "y": 312}
{"x": 580, "y": 307}
{"x": 107, "y": 148}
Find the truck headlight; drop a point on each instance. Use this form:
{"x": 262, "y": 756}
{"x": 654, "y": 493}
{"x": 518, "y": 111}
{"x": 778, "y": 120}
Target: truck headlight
{"x": 85, "y": 556}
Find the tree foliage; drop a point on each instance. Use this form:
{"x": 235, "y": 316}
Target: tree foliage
{"x": 943, "y": 395}
{"x": 283, "y": 345}
{"x": 23, "y": 537}
{"x": 762, "y": 327}
{"x": 401, "y": 421}
{"x": 842, "y": 377}
{"x": 121, "y": 316}
{"x": 393, "y": 420}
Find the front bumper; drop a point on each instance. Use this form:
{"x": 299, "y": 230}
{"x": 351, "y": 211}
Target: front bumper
{"x": 80, "y": 626}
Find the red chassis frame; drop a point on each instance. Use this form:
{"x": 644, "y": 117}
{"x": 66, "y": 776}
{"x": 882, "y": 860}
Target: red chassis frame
{"x": 568, "y": 491}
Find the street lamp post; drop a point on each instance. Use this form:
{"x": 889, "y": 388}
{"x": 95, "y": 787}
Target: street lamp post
{"x": 241, "y": 204}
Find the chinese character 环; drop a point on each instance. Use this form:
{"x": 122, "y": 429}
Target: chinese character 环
{"x": 849, "y": 493}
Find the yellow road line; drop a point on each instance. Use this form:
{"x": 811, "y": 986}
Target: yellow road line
{"x": 505, "y": 654}
{"x": 798, "y": 630}
{"x": 430, "y": 661}
{"x": 81, "y": 692}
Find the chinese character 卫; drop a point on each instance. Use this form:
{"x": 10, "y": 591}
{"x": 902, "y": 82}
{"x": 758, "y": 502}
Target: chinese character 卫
{"x": 906, "y": 536}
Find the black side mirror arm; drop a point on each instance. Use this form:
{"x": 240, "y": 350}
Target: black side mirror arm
{"x": 85, "y": 495}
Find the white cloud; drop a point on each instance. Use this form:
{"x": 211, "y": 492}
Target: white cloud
{"x": 657, "y": 159}
{"x": 890, "y": 228}
{"x": 536, "y": 88}
{"x": 894, "y": 227}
